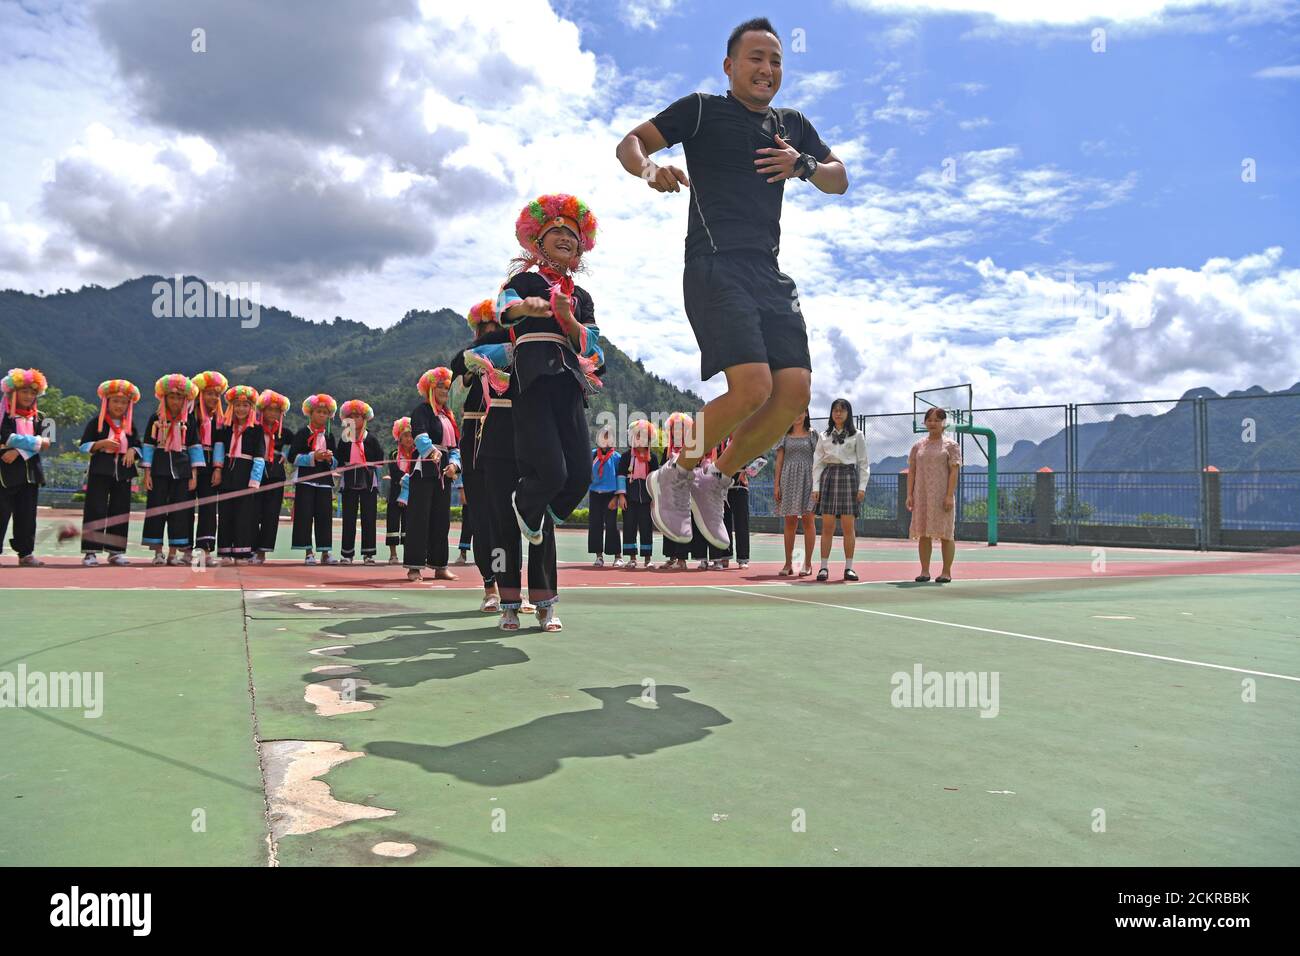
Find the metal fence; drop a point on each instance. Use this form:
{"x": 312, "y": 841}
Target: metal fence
{"x": 1196, "y": 472}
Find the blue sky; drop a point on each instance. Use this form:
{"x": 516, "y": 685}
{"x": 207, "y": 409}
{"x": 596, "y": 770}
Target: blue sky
{"x": 368, "y": 159}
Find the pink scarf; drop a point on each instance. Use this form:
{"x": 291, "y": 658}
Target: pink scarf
{"x": 358, "y": 456}
{"x": 237, "y": 443}
{"x": 117, "y": 432}
{"x": 24, "y": 421}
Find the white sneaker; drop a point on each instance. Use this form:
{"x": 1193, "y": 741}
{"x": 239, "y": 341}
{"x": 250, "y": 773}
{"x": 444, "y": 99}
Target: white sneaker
{"x": 309, "y": 559}
{"x": 370, "y": 559}
{"x": 618, "y": 562}
{"x": 327, "y": 558}
{"x": 742, "y": 564}
{"x": 159, "y": 558}
{"x": 121, "y": 560}
{"x": 343, "y": 560}
{"x": 89, "y": 559}
{"x": 598, "y": 563}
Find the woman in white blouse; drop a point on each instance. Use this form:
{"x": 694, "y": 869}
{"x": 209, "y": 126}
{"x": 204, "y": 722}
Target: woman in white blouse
{"x": 840, "y": 474}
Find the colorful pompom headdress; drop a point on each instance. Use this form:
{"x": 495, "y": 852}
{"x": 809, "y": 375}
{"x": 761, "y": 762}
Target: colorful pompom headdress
{"x": 117, "y": 386}
{"x": 643, "y": 428}
{"x": 551, "y": 211}
{"x": 480, "y": 312}
{"x": 436, "y": 377}
{"x": 670, "y": 426}
{"x": 178, "y": 383}
{"x": 236, "y": 392}
{"x": 272, "y": 399}
{"x": 356, "y": 406}
{"x": 21, "y": 378}
{"x": 206, "y": 380}
{"x": 401, "y": 425}
{"x": 319, "y": 400}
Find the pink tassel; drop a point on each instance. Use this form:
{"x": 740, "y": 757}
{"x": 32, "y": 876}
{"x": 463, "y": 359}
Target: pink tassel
{"x": 588, "y": 366}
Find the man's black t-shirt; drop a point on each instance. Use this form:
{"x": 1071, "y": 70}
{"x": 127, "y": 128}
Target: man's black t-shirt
{"x": 733, "y": 207}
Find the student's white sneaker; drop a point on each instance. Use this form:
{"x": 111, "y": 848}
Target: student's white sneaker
{"x": 704, "y": 566}
{"x": 599, "y": 562}
{"x": 121, "y": 560}
{"x": 618, "y": 562}
{"x": 259, "y": 558}
{"x": 30, "y": 561}
{"x": 327, "y": 558}
{"x": 342, "y": 560}
{"x": 89, "y": 559}
{"x": 309, "y": 559}
{"x": 742, "y": 564}
{"x": 159, "y": 558}
{"x": 369, "y": 559}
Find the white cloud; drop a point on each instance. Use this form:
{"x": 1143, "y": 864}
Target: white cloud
{"x": 1278, "y": 73}
{"x": 979, "y": 122}
{"x": 646, "y": 14}
{"x": 1066, "y": 12}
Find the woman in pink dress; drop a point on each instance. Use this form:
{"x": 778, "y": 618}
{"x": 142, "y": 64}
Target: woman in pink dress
{"x": 932, "y": 469}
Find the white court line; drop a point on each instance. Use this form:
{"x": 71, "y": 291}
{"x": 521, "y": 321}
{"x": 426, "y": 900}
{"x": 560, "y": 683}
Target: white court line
{"x": 402, "y": 586}
{"x": 1027, "y": 637}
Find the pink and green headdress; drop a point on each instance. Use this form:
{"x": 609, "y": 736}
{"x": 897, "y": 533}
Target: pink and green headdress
{"x": 117, "y": 386}
{"x": 272, "y": 399}
{"x": 439, "y": 377}
{"x": 21, "y": 378}
{"x": 643, "y": 427}
{"x": 319, "y": 400}
{"x": 552, "y": 211}
{"x": 206, "y": 380}
{"x": 480, "y": 312}
{"x": 670, "y": 425}
{"x": 180, "y": 384}
{"x": 236, "y": 392}
{"x": 401, "y": 425}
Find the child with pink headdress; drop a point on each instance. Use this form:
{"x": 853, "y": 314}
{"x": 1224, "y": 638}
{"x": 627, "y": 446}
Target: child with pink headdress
{"x": 170, "y": 454}
{"x": 271, "y": 407}
{"x": 313, "y": 452}
{"x": 113, "y": 445}
{"x": 362, "y": 456}
{"x": 428, "y": 509}
{"x": 552, "y": 327}
{"x": 243, "y": 468}
{"x": 23, "y": 436}
{"x": 210, "y": 414}
{"x": 400, "y": 465}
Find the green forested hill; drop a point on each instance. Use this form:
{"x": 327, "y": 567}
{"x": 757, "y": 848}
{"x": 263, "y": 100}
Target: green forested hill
{"x": 81, "y": 338}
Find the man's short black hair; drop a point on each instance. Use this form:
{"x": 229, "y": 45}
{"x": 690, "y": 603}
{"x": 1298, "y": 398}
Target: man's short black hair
{"x": 759, "y": 24}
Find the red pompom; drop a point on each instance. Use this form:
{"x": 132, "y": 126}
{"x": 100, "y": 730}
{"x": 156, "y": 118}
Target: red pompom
{"x": 67, "y": 531}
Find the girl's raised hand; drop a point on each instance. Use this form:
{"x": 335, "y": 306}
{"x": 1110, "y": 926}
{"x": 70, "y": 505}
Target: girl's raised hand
{"x": 535, "y": 306}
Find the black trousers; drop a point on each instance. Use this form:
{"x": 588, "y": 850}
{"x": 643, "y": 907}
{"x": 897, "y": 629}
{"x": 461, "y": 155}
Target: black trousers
{"x": 205, "y": 535}
{"x": 313, "y": 510}
{"x": 266, "y": 518}
{"x": 551, "y": 448}
{"x": 502, "y": 477}
{"x": 237, "y": 524}
{"x": 368, "y": 502}
{"x": 396, "y": 520}
{"x": 475, "y": 526}
{"x": 428, "y": 520}
{"x": 602, "y": 523}
{"x": 736, "y": 517}
{"x": 466, "y": 518}
{"x": 178, "y": 524}
{"x": 638, "y": 524}
{"x": 19, "y": 503}
{"x": 106, "y": 497}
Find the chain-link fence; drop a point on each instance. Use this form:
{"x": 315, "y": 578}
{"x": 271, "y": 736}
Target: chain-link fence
{"x": 1199, "y": 472}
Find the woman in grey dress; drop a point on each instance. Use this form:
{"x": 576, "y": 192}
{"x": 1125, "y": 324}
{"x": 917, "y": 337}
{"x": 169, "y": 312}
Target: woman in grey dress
{"x": 793, "y": 490}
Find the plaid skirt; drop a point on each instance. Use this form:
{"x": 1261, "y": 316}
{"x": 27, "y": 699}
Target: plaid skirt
{"x": 838, "y": 491}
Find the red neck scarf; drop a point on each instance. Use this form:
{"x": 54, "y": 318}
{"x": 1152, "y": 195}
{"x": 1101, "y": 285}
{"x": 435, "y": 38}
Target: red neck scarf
{"x": 272, "y": 432}
{"x": 316, "y": 440}
{"x": 562, "y": 282}
{"x": 170, "y": 431}
{"x": 237, "y": 441}
{"x": 602, "y": 456}
{"x": 405, "y": 460}
{"x": 205, "y": 424}
{"x": 640, "y": 464}
{"x": 117, "y": 432}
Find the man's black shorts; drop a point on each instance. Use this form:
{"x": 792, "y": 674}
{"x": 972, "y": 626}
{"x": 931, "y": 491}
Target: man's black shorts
{"x": 743, "y": 309}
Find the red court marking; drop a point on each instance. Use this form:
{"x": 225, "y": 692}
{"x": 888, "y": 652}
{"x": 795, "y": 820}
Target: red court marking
{"x": 289, "y": 574}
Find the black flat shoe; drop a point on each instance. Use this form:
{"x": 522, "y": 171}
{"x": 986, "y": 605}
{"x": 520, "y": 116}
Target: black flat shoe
{"x": 942, "y": 580}
{"x": 922, "y": 578}
{"x": 850, "y": 574}
{"x": 823, "y": 574}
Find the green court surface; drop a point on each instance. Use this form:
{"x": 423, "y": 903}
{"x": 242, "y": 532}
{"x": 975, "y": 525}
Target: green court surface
{"x": 1138, "y": 720}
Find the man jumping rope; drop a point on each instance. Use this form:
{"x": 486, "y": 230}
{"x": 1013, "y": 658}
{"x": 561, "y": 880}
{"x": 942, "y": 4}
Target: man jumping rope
{"x": 743, "y": 309}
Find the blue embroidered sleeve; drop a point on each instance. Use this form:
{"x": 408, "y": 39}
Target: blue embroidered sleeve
{"x": 146, "y": 455}
{"x": 259, "y": 469}
{"x": 423, "y": 443}
{"x": 196, "y": 456}
{"x": 218, "y": 454}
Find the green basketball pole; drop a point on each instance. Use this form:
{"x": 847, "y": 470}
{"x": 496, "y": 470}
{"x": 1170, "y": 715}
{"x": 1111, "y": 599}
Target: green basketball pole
{"x": 992, "y": 476}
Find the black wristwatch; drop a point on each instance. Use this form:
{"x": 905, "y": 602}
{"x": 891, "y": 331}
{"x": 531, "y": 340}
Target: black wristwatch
{"x": 807, "y": 164}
